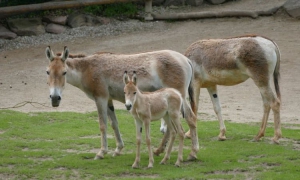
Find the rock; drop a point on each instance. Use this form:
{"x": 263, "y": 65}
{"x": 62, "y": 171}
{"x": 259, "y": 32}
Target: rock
{"x": 6, "y": 34}
{"x": 174, "y": 2}
{"x": 216, "y": 1}
{"x": 26, "y": 27}
{"x": 156, "y": 2}
{"x": 77, "y": 20}
{"x": 292, "y": 7}
{"x": 62, "y": 20}
{"x": 194, "y": 2}
{"x": 55, "y": 28}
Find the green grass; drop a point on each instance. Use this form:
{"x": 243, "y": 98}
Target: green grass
{"x": 63, "y": 145}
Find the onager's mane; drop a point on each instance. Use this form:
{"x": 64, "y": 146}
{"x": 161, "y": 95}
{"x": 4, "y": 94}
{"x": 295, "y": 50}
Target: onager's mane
{"x": 72, "y": 56}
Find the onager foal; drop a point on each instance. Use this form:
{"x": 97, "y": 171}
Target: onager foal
{"x": 165, "y": 103}
{"x": 232, "y": 61}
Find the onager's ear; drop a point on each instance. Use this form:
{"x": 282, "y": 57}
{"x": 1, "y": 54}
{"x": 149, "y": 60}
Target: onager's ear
{"x": 49, "y": 53}
{"x": 125, "y": 78}
{"x": 65, "y": 54}
{"x": 134, "y": 78}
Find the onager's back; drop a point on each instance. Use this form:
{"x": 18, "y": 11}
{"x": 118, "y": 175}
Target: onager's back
{"x": 165, "y": 103}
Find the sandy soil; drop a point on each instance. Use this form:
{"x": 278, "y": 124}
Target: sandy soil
{"x": 23, "y": 75}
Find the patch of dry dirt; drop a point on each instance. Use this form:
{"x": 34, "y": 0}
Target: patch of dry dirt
{"x": 23, "y": 75}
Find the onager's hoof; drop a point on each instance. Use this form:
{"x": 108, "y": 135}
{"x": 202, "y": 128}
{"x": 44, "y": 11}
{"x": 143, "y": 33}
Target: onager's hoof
{"x": 192, "y": 157}
{"x": 162, "y": 162}
{"x": 187, "y": 135}
{"x": 150, "y": 166}
{"x": 116, "y": 154}
{"x": 135, "y": 166}
{"x": 222, "y": 138}
{"x": 177, "y": 164}
{"x": 275, "y": 141}
{"x": 157, "y": 152}
{"x": 97, "y": 157}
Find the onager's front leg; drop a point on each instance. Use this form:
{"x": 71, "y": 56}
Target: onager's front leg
{"x": 138, "y": 125}
{"x": 102, "y": 113}
{"x": 115, "y": 127}
{"x": 148, "y": 141}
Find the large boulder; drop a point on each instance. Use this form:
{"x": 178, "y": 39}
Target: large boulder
{"x": 27, "y": 26}
{"x": 62, "y": 20}
{"x": 292, "y": 7}
{"x": 55, "y": 28}
{"x": 77, "y": 20}
{"x": 6, "y": 34}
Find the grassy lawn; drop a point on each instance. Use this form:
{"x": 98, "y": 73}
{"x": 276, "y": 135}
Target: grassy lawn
{"x": 63, "y": 145}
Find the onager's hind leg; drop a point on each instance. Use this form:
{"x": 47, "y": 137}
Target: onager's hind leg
{"x": 217, "y": 108}
{"x": 115, "y": 127}
{"x": 270, "y": 102}
{"x": 192, "y": 122}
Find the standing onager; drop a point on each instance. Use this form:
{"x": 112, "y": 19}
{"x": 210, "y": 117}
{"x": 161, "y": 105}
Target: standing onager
{"x": 148, "y": 106}
{"x": 232, "y": 61}
{"x": 99, "y": 76}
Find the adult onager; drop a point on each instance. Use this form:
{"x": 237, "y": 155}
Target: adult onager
{"x": 145, "y": 107}
{"x": 232, "y": 61}
{"x": 100, "y": 77}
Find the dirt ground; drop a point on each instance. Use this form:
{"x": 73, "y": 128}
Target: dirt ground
{"x": 23, "y": 71}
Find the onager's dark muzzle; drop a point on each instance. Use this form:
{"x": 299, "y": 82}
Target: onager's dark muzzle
{"x": 55, "y": 100}
{"x": 128, "y": 106}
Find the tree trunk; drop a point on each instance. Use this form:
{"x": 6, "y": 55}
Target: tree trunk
{"x": 13, "y": 10}
{"x": 212, "y": 14}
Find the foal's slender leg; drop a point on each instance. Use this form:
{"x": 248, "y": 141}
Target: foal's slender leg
{"x": 172, "y": 132}
{"x": 213, "y": 93}
{"x": 115, "y": 126}
{"x": 138, "y": 126}
{"x": 148, "y": 142}
{"x": 102, "y": 113}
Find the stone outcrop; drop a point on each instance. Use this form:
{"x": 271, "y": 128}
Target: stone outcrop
{"x": 292, "y": 7}
{"x": 55, "y": 28}
{"x": 26, "y": 27}
{"x": 6, "y": 34}
{"x": 62, "y": 20}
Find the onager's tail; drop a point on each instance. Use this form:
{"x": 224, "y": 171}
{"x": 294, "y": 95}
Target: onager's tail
{"x": 191, "y": 91}
{"x": 276, "y": 74}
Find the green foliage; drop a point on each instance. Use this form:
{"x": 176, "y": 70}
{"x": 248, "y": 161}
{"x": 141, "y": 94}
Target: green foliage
{"x": 34, "y": 144}
{"x": 113, "y": 10}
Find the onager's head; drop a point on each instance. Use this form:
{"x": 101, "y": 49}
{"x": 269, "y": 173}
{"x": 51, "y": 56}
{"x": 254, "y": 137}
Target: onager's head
{"x": 130, "y": 90}
{"x": 56, "y": 71}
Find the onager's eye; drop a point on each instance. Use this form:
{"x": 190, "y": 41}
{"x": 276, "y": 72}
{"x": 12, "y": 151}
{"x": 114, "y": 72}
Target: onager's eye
{"x": 48, "y": 72}
{"x": 134, "y": 92}
{"x": 64, "y": 73}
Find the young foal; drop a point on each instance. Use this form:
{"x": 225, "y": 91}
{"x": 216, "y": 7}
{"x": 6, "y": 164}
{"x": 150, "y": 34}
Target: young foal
{"x": 99, "y": 76}
{"x": 232, "y": 61}
{"x": 145, "y": 107}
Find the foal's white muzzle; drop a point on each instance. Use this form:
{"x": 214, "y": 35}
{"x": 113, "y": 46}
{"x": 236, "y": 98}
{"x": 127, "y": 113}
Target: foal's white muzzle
{"x": 128, "y": 105}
